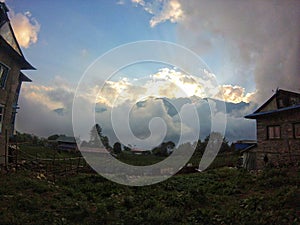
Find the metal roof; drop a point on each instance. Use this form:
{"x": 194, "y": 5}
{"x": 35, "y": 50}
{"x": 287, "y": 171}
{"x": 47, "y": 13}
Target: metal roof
{"x": 259, "y": 114}
{"x": 251, "y": 147}
{"x": 66, "y": 139}
{"x": 277, "y": 94}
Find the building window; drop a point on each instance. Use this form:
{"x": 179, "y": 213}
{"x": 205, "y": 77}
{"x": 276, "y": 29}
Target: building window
{"x": 3, "y": 75}
{"x": 1, "y": 117}
{"x": 297, "y": 130}
{"x": 273, "y": 132}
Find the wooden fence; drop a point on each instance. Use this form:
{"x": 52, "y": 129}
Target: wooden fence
{"x": 49, "y": 168}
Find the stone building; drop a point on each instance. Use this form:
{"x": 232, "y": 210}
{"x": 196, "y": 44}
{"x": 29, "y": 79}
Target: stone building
{"x": 12, "y": 61}
{"x": 278, "y": 131}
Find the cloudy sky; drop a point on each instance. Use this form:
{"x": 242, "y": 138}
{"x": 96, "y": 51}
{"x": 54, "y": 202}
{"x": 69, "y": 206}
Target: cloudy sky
{"x": 249, "y": 48}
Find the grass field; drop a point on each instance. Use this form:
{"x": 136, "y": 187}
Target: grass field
{"x": 217, "y": 196}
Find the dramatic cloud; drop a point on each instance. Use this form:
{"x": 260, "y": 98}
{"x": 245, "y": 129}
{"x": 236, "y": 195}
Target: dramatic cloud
{"x": 46, "y": 110}
{"x": 170, "y": 83}
{"x": 58, "y": 95}
{"x": 26, "y": 28}
{"x": 234, "y": 94}
{"x": 162, "y": 10}
{"x": 260, "y": 40}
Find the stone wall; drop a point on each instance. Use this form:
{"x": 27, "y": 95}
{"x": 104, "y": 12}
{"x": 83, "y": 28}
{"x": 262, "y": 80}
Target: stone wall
{"x": 7, "y": 96}
{"x": 279, "y": 151}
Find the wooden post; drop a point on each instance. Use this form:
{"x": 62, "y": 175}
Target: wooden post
{"x": 65, "y": 166}
{"x": 71, "y": 166}
{"x": 16, "y": 154}
{"x": 53, "y": 170}
{"x": 78, "y": 164}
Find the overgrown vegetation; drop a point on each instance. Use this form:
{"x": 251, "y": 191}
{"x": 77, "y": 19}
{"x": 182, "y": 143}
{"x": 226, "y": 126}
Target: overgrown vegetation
{"x": 222, "y": 196}
{"x": 217, "y": 196}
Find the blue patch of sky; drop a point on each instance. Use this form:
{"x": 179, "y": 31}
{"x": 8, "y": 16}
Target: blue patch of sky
{"x": 74, "y": 34}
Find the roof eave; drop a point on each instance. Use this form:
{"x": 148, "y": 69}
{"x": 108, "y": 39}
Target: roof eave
{"x": 260, "y": 114}
{"x": 250, "y": 116}
{"x": 24, "y": 78}
{"x": 25, "y": 65}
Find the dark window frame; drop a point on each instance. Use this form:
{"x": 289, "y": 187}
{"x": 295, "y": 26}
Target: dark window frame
{"x": 294, "y": 130}
{"x": 274, "y": 136}
{"x": 3, "y": 74}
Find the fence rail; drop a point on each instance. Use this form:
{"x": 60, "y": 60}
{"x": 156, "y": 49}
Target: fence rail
{"x": 49, "y": 168}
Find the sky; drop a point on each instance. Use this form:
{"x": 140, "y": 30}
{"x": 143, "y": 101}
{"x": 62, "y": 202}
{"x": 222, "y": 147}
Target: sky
{"x": 249, "y": 48}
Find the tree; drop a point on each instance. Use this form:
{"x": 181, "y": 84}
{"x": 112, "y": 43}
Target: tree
{"x": 97, "y": 139}
{"x": 164, "y": 149}
{"x": 53, "y": 137}
{"x": 84, "y": 144}
{"x": 117, "y": 148}
{"x": 126, "y": 148}
{"x": 94, "y": 137}
{"x": 105, "y": 142}
{"x": 216, "y": 138}
{"x": 199, "y": 148}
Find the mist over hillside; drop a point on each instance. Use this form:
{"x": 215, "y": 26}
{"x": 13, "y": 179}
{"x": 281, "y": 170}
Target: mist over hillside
{"x": 168, "y": 109}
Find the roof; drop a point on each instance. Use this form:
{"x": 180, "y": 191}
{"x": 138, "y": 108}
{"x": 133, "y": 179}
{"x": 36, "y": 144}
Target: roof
{"x": 139, "y": 150}
{"x": 259, "y": 114}
{"x": 244, "y": 144}
{"x": 246, "y": 141}
{"x": 3, "y": 13}
{"x": 251, "y": 147}
{"x": 8, "y": 41}
{"x": 24, "y": 78}
{"x": 25, "y": 65}
{"x": 281, "y": 101}
{"x": 66, "y": 139}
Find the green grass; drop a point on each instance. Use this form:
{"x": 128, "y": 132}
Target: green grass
{"x": 220, "y": 196}
{"x": 217, "y": 196}
{"x": 28, "y": 151}
{"x": 139, "y": 160}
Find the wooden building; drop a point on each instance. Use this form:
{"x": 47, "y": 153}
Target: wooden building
{"x": 278, "y": 131}
{"x": 65, "y": 143}
{"x": 12, "y": 61}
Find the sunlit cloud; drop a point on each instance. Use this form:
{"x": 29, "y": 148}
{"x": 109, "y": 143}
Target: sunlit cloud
{"x": 166, "y": 83}
{"x": 26, "y": 28}
{"x": 176, "y": 84}
{"x": 38, "y": 93}
{"x": 58, "y": 95}
{"x": 48, "y": 109}
{"x": 169, "y": 83}
{"x": 234, "y": 94}
{"x": 162, "y": 10}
